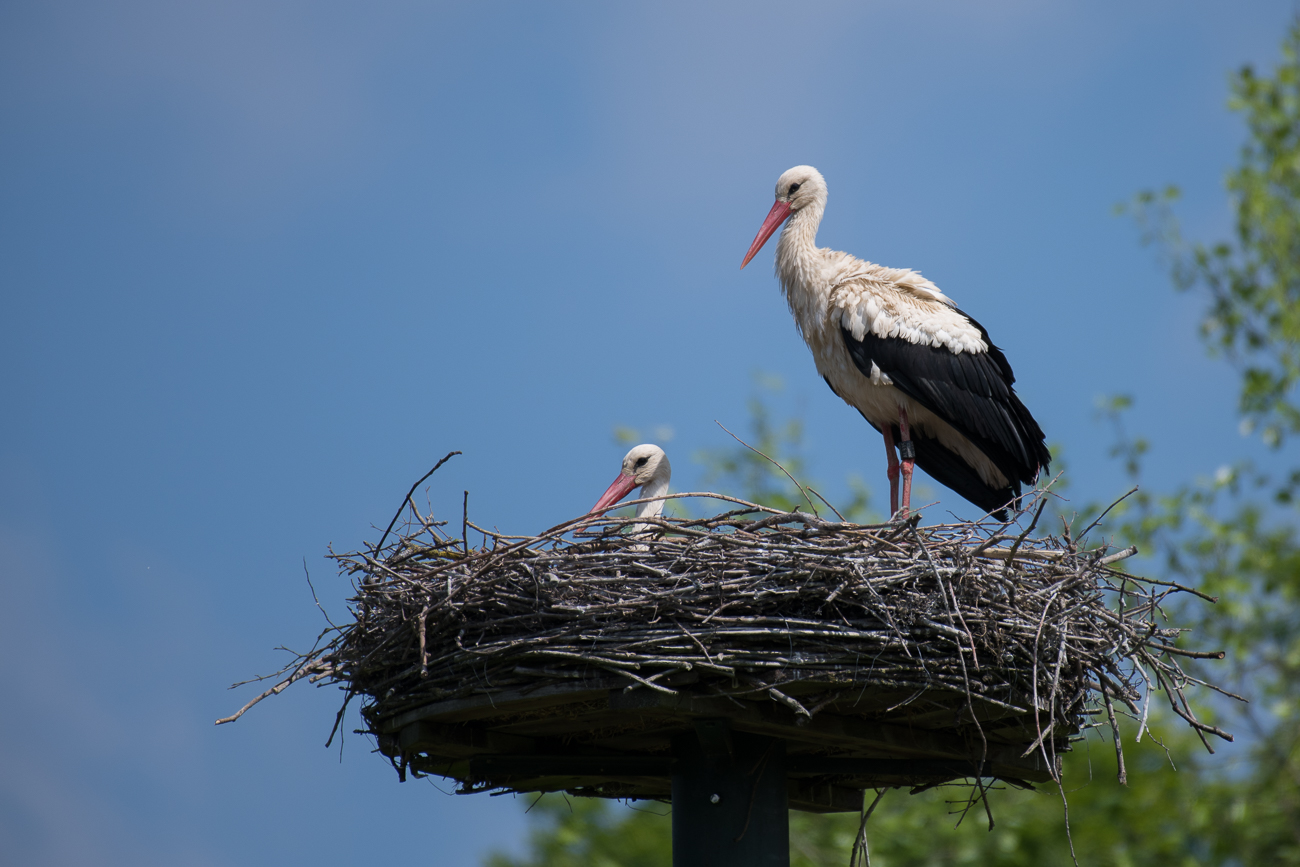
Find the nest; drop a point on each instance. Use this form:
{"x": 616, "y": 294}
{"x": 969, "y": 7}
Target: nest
{"x": 883, "y": 655}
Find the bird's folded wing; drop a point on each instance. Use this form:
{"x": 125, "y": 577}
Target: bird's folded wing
{"x": 969, "y": 390}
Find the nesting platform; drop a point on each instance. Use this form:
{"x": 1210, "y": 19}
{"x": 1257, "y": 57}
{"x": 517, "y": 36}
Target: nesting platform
{"x": 600, "y": 737}
{"x": 875, "y": 655}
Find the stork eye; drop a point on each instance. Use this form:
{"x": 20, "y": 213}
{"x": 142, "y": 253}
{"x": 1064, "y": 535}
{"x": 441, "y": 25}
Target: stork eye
{"x": 640, "y": 462}
{"x": 794, "y": 188}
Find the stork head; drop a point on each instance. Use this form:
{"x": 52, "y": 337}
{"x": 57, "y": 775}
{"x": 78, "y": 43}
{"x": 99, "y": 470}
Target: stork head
{"x": 797, "y": 188}
{"x": 643, "y": 465}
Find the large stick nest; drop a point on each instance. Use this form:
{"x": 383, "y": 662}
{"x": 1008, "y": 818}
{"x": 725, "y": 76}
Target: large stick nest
{"x": 870, "y": 643}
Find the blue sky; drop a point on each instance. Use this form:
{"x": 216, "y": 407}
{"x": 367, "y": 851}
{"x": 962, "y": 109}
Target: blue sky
{"x": 261, "y": 265}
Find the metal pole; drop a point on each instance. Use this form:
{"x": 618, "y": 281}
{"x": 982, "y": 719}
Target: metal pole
{"x": 729, "y": 799}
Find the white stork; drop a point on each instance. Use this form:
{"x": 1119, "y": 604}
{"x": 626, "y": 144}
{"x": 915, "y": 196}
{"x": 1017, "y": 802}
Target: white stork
{"x": 898, "y": 350}
{"x": 645, "y": 467}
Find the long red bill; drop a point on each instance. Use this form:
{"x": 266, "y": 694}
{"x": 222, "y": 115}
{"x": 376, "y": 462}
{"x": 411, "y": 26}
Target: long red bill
{"x": 617, "y": 491}
{"x": 775, "y": 217}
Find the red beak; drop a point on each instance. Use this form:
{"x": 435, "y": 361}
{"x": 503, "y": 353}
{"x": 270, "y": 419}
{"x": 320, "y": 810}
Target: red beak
{"x": 617, "y": 491}
{"x": 775, "y": 217}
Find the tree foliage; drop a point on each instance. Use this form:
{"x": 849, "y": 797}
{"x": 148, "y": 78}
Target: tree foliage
{"x": 1235, "y": 533}
{"x": 1252, "y": 281}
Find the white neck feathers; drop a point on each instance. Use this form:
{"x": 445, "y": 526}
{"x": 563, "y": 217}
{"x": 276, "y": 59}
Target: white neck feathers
{"x": 800, "y": 267}
{"x": 656, "y": 487}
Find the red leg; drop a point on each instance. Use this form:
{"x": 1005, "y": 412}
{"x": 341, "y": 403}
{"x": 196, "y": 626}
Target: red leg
{"x": 908, "y": 453}
{"x": 892, "y": 471}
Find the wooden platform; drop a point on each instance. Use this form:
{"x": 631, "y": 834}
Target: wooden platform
{"x": 598, "y": 737}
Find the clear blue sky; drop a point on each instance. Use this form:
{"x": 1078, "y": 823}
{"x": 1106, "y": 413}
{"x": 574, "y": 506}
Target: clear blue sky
{"x": 262, "y": 264}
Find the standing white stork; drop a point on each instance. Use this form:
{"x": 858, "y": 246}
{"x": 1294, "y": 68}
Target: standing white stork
{"x": 898, "y": 350}
{"x": 645, "y": 467}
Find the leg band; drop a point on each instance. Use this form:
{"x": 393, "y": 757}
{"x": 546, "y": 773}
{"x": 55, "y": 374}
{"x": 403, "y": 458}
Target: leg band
{"x": 907, "y": 450}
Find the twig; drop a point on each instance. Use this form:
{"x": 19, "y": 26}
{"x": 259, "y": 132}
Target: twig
{"x": 1114, "y": 730}
{"x": 405, "y": 499}
{"x": 1015, "y": 546}
{"x": 860, "y": 841}
{"x": 1131, "y": 491}
{"x": 827, "y": 502}
{"x": 811, "y": 504}
{"x": 302, "y": 671}
{"x": 313, "y": 594}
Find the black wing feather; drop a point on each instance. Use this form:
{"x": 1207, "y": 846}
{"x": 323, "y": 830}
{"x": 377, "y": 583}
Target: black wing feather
{"x": 972, "y": 391}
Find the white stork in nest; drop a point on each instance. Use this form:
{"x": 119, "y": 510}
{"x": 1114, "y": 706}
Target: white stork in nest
{"x": 645, "y": 467}
{"x": 896, "y": 349}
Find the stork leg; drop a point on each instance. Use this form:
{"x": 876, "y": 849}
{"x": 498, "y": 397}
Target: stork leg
{"x": 892, "y": 472}
{"x": 907, "y": 452}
